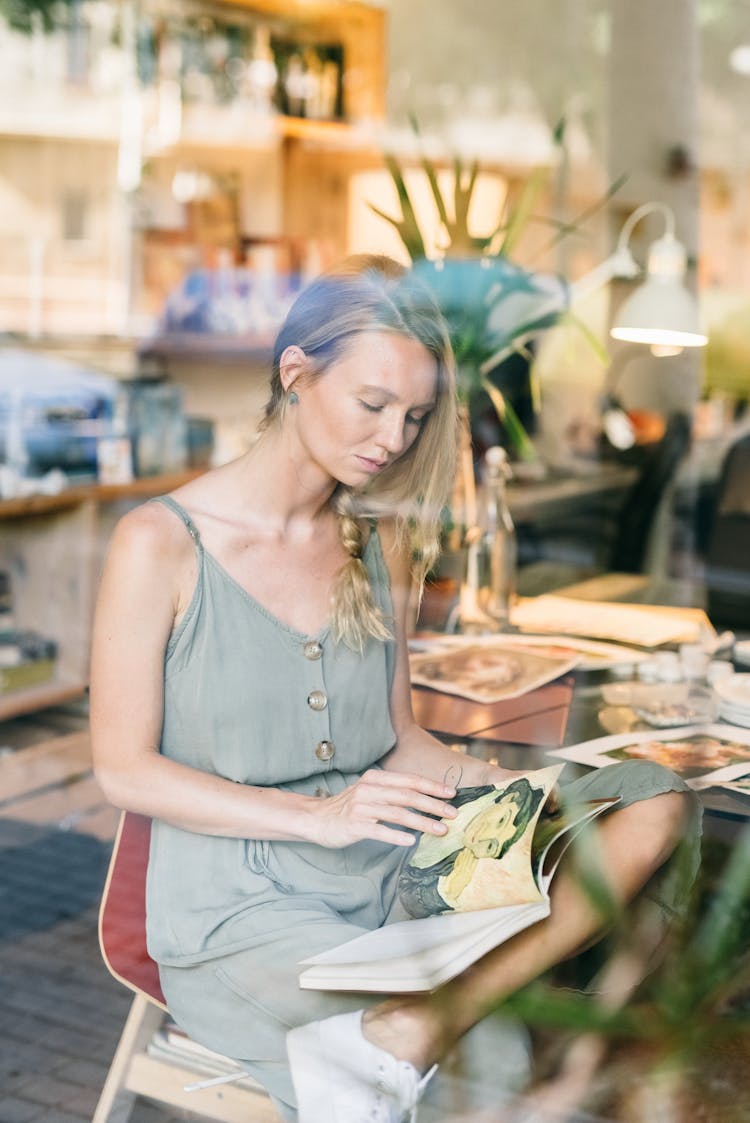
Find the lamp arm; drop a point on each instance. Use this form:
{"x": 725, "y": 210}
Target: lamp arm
{"x": 640, "y": 212}
{"x": 621, "y": 263}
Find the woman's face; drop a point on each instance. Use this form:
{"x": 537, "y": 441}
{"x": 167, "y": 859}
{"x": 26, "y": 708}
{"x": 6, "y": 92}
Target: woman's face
{"x": 367, "y": 408}
{"x": 491, "y": 828}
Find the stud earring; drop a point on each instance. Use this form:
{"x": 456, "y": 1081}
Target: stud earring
{"x": 293, "y": 397}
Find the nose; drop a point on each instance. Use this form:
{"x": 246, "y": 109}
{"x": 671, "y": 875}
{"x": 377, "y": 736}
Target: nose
{"x": 392, "y": 433}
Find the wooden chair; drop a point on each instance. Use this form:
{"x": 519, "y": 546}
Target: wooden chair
{"x": 137, "y": 1068}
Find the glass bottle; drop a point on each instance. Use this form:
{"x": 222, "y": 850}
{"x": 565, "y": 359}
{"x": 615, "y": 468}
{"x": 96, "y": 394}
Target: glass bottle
{"x": 499, "y": 551}
{"x": 489, "y": 557}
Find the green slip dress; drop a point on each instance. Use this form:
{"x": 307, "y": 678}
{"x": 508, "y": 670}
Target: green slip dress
{"x": 249, "y": 698}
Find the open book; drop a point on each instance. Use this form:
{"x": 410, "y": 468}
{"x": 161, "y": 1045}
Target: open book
{"x": 468, "y": 890}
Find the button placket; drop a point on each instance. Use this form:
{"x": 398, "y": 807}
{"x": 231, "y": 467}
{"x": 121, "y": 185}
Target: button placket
{"x": 316, "y": 700}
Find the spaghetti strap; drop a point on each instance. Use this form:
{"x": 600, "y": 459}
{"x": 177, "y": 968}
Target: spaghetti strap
{"x": 181, "y": 513}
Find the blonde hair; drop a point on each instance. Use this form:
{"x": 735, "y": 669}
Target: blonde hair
{"x": 374, "y": 293}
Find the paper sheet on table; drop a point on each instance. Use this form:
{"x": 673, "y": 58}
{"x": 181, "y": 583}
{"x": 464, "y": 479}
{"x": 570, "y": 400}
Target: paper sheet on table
{"x": 642, "y": 624}
{"x": 702, "y": 755}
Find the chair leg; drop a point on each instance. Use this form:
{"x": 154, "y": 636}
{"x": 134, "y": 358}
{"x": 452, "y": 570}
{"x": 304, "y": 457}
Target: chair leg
{"x": 116, "y": 1101}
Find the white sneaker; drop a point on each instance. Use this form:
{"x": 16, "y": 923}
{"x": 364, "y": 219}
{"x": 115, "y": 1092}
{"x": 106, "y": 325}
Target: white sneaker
{"x": 341, "y": 1077}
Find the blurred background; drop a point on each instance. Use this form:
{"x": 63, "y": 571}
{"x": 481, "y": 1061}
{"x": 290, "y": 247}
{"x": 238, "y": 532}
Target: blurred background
{"x": 172, "y": 173}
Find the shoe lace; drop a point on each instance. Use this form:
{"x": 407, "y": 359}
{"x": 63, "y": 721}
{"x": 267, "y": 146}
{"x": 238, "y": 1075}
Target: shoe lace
{"x": 404, "y": 1094}
{"x": 416, "y": 1095}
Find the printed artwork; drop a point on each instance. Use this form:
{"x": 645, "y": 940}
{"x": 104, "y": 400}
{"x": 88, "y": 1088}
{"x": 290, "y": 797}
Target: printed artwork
{"x": 484, "y": 860}
{"x": 487, "y": 673}
{"x": 690, "y": 756}
{"x": 703, "y": 755}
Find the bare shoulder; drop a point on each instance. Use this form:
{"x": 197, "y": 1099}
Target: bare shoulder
{"x": 154, "y": 534}
{"x": 150, "y": 570}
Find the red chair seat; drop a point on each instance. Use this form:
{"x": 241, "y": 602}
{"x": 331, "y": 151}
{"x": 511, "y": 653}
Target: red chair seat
{"x": 122, "y": 916}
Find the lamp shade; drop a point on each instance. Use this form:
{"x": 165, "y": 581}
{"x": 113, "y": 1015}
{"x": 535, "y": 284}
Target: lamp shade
{"x": 661, "y": 313}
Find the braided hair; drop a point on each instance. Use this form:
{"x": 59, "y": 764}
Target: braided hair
{"x": 374, "y": 293}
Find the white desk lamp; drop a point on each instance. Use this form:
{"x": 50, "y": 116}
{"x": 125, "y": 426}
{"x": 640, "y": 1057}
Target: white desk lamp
{"x": 661, "y": 313}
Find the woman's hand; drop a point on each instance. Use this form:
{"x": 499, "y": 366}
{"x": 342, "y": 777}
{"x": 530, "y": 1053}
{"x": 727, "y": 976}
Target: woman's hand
{"x": 379, "y": 798}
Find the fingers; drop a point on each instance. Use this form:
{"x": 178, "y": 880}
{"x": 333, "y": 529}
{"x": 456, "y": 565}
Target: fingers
{"x": 406, "y": 817}
{"x": 411, "y": 780}
{"x": 380, "y": 803}
{"x": 381, "y": 833}
{"x": 397, "y": 801}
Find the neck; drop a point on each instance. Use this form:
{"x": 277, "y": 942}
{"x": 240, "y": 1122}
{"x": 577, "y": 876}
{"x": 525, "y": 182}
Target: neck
{"x": 287, "y": 490}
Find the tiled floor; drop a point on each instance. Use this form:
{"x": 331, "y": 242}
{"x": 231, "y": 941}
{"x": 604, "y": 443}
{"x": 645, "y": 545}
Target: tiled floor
{"x": 61, "y": 1013}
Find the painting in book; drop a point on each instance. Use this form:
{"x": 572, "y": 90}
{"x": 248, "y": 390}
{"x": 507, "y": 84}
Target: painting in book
{"x": 484, "y": 859}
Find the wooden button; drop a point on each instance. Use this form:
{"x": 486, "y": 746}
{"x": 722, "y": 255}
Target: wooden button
{"x": 317, "y": 700}
{"x": 312, "y": 650}
{"x": 325, "y": 750}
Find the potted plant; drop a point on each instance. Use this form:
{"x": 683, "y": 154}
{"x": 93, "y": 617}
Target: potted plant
{"x": 668, "y": 1043}
{"x": 492, "y": 305}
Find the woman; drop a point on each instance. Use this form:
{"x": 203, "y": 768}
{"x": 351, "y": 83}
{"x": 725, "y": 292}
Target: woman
{"x": 250, "y": 692}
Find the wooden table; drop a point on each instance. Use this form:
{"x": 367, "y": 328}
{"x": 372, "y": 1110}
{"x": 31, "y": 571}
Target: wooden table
{"x": 584, "y": 717}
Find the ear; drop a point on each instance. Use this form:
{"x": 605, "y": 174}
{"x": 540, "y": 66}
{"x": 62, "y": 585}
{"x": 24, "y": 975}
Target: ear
{"x": 292, "y": 365}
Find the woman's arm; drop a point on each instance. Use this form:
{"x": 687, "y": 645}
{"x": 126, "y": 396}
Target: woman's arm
{"x": 146, "y": 585}
{"x": 417, "y": 750}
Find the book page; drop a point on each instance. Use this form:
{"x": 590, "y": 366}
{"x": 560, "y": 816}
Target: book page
{"x": 484, "y": 859}
{"x": 553, "y": 836}
{"x": 414, "y": 955}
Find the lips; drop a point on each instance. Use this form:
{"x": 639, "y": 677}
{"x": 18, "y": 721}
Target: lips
{"x": 371, "y": 465}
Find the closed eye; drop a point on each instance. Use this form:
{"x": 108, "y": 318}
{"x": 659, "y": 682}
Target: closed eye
{"x": 411, "y": 418}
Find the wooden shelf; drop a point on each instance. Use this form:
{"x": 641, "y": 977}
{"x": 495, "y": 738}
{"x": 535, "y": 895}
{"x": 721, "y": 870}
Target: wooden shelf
{"x": 265, "y": 131}
{"x": 194, "y": 346}
{"x": 330, "y": 132}
{"x": 18, "y": 702}
{"x": 53, "y": 547}
{"x": 31, "y": 505}
{"x": 22, "y": 507}
{"x": 145, "y": 485}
